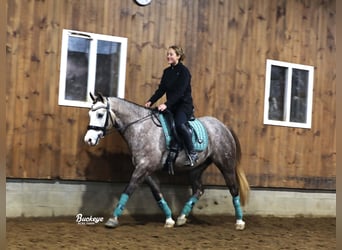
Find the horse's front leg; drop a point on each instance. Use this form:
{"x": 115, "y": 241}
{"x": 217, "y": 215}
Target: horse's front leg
{"x": 169, "y": 222}
{"x": 137, "y": 178}
{"x": 197, "y": 191}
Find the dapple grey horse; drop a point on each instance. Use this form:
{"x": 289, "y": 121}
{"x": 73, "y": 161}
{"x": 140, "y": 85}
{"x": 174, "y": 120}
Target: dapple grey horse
{"x": 139, "y": 127}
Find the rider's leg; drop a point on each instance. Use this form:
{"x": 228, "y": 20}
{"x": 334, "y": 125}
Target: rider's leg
{"x": 171, "y": 158}
{"x": 186, "y": 134}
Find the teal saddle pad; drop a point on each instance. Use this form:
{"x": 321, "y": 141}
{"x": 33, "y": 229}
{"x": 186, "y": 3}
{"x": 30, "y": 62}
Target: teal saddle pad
{"x": 199, "y": 135}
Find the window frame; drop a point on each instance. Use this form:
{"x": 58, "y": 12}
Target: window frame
{"x": 287, "y": 95}
{"x": 94, "y": 37}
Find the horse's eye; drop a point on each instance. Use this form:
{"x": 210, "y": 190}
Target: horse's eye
{"x": 99, "y": 115}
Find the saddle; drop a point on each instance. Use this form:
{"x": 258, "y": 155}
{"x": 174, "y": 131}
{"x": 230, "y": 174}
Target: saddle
{"x": 173, "y": 142}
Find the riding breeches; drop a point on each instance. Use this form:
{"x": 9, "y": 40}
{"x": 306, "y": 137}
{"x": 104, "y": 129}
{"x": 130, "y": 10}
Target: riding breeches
{"x": 183, "y": 130}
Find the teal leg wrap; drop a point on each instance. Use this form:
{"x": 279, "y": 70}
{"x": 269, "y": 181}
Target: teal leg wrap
{"x": 189, "y": 205}
{"x": 165, "y": 208}
{"x": 237, "y": 206}
{"x": 121, "y": 205}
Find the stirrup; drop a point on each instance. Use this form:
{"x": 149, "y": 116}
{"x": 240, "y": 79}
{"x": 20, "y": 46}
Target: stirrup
{"x": 192, "y": 158}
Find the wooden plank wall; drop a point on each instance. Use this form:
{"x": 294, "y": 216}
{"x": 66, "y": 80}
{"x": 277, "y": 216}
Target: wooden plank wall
{"x": 227, "y": 43}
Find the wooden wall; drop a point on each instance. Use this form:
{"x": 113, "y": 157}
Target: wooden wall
{"x": 227, "y": 43}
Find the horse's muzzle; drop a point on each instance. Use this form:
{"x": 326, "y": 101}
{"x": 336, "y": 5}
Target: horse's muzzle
{"x": 92, "y": 137}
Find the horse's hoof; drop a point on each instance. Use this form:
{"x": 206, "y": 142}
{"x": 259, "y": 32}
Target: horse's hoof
{"x": 169, "y": 223}
{"x": 181, "y": 220}
{"x": 112, "y": 223}
{"x": 240, "y": 225}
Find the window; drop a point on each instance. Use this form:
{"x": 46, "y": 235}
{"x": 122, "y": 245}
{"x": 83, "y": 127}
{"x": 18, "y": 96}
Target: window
{"x": 91, "y": 63}
{"x": 288, "y": 94}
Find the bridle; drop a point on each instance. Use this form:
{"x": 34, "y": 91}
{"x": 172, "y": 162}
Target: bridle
{"x": 108, "y": 116}
{"x": 122, "y": 128}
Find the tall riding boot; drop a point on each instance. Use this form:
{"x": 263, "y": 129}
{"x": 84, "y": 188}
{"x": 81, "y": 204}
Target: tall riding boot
{"x": 187, "y": 138}
{"x": 171, "y": 158}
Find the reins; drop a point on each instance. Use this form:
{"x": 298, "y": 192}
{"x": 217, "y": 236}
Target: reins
{"x": 152, "y": 114}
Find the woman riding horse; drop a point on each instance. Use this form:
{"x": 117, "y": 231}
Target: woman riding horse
{"x": 134, "y": 121}
{"x": 176, "y": 84}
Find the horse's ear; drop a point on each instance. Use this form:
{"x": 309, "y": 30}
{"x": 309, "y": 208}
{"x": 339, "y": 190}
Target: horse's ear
{"x": 92, "y": 96}
{"x": 100, "y": 96}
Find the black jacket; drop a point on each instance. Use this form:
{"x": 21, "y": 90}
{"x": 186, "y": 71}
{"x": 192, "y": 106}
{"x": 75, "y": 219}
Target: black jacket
{"x": 176, "y": 83}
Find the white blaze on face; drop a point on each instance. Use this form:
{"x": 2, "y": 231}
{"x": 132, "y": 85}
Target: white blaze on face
{"x": 97, "y": 119}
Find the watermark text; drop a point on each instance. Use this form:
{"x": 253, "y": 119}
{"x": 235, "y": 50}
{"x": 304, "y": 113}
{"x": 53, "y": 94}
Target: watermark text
{"x": 88, "y": 220}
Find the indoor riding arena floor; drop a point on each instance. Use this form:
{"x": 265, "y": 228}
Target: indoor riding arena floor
{"x": 201, "y": 232}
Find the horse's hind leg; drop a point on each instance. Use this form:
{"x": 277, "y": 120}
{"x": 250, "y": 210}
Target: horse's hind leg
{"x": 195, "y": 177}
{"x": 169, "y": 222}
{"x": 230, "y": 177}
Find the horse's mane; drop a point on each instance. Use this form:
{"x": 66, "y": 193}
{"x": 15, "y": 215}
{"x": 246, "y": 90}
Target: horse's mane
{"x": 128, "y": 101}
{"x": 101, "y": 98}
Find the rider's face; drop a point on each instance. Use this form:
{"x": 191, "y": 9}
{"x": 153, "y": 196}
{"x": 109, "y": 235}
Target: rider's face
{"x": 172, "y": 57}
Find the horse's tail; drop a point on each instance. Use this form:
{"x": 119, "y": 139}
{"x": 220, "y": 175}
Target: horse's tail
{"x": 240, "y": 174}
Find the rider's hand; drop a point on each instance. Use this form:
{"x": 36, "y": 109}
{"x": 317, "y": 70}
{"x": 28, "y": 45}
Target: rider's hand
{"x": 162, "y": 107}
{"x": 148, "y": 104}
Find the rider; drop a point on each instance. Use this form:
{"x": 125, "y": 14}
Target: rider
{"x": 176, "y": 84}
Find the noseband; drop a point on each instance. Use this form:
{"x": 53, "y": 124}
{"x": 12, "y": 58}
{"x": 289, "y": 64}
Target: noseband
{"x": 104, "y": 128}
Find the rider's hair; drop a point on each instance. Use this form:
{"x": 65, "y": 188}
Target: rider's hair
{"x": 179, "y": 51}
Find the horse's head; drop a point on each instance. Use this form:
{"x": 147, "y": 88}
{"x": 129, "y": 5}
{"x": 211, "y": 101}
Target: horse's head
{"x": 101, "y": 120}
